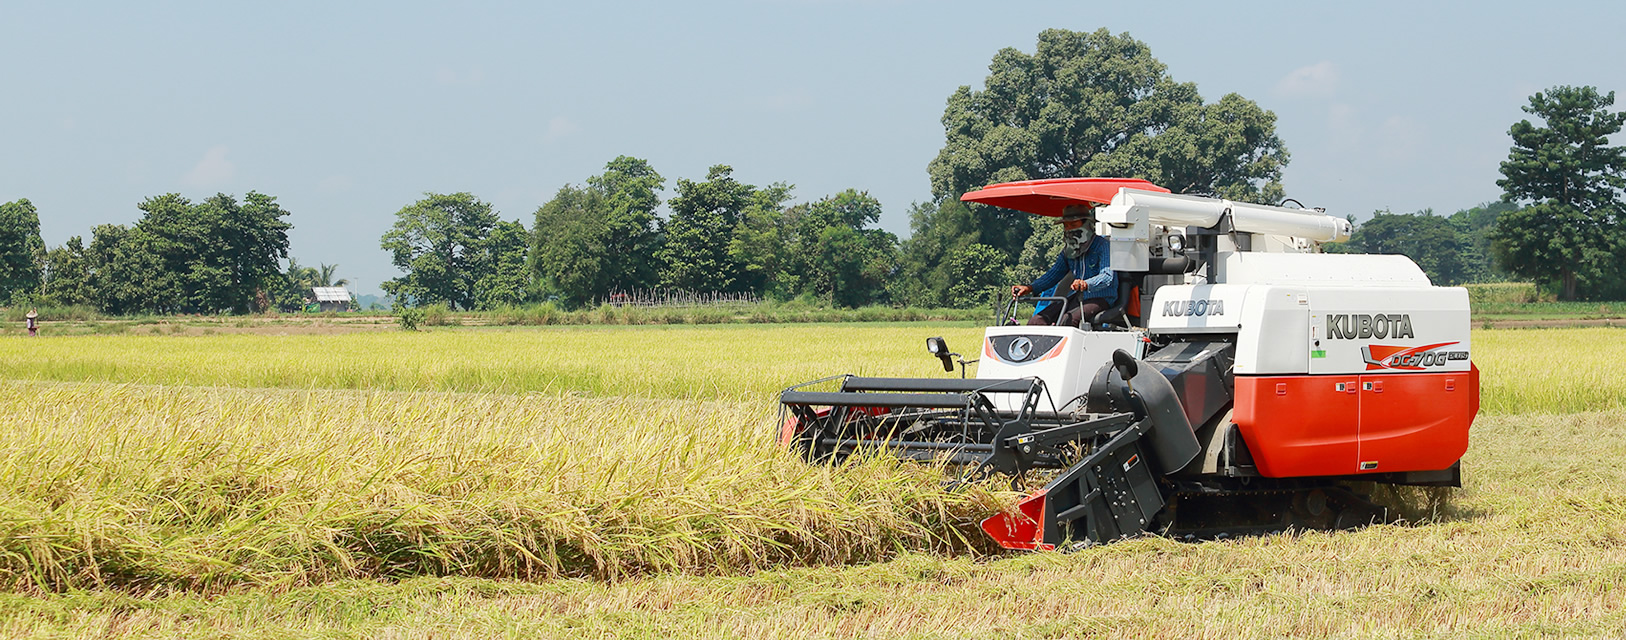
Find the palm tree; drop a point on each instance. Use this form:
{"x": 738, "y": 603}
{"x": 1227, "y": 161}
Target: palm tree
{"x": 324, "y": 277}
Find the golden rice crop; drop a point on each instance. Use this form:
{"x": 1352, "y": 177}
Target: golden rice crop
{"x": 1534, "y": 547}
{"x": 206, "y": 463}
{"x": 1550, "y": 370}
{"x": 147, "y": 487}
{"x": 716, "y": 362}
{"x": 1555, "y": 370}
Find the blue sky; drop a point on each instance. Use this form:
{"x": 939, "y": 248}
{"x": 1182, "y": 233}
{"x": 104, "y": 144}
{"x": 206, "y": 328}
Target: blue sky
{"x": 349, "y": 111}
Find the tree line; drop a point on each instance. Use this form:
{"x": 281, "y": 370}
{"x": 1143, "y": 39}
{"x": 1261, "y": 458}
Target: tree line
{"x": 1082, "y": 104}
{"x": 721, "y": 235}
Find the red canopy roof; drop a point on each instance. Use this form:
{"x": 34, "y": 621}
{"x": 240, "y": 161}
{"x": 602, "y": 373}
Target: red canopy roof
{"x": 1048, "y": 197}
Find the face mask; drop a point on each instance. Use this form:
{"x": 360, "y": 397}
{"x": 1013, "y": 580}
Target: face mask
{"x": 1077, "y": 240}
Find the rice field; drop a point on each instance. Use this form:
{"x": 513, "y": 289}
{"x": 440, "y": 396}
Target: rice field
{"x": 623, "y": 482}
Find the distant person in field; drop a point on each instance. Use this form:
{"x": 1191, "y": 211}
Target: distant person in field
{"x": 1084, "y": 257}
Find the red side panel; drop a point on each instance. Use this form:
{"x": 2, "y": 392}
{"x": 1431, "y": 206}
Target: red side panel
{"x": 1300, "y": 425}
{"x": 1416, "y": 421}
{"x": 1340, "y": 425}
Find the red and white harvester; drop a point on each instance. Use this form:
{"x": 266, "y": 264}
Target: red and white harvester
{"x": 1243, "y": 381}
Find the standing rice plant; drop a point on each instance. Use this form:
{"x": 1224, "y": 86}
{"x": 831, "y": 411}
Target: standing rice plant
{"x": 146, "y": 488}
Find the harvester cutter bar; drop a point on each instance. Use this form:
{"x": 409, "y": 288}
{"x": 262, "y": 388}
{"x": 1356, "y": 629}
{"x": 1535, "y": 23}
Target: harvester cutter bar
{"x": 889, "y": 400}
{"x": 916, "y": 418}
{"x": 1005, "y": 385}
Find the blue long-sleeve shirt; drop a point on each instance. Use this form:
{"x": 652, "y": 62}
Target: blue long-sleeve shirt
{"x": 1094, "y": 268}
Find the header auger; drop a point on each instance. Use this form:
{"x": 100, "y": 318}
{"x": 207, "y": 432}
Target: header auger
{"x": 1239, "y": 381}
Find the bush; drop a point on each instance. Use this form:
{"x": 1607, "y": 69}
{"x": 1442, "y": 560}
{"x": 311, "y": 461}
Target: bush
{"x": 409, "y": 317}
{"x": 438, "y": 315}
{"x": 1503, "y": 292}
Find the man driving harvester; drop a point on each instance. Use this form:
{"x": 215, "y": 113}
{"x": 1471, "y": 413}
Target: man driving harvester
{"x": 1083, "y": 265}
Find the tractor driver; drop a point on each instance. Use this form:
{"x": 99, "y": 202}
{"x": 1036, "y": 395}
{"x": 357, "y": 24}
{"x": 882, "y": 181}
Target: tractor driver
{"x": 1087, "y": 259}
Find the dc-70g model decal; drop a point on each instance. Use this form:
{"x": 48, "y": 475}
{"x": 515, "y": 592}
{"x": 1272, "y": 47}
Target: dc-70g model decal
{"x": 1379, "y": 356}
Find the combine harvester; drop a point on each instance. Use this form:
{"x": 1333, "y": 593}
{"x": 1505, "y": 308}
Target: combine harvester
{"x": 1243, "y": 381}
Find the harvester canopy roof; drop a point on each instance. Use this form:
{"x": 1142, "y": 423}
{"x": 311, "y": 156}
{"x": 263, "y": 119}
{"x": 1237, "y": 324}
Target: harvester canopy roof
{"x": 1049, "y": 197}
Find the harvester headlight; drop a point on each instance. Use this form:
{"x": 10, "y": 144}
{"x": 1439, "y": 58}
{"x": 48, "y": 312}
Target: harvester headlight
{"x": 1177, "y": 243}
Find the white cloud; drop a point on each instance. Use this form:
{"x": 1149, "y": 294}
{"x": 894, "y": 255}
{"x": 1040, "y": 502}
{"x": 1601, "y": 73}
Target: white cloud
{"x": 1319, "y": 80}
{"x": 560, "y": 127}
{"x": 213, "y": 170}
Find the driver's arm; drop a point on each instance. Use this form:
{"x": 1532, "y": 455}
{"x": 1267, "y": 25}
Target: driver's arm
{"x": 1104, "y": 283}
{"x": 1053, "y": 276}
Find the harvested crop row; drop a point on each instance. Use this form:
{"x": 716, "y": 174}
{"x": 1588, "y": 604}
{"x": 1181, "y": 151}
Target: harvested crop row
{"x": 154, "y": 488}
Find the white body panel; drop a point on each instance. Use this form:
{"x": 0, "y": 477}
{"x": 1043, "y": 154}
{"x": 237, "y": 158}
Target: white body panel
{"x": 1328, "y": 269}
{"x": 1066, "y": 358}
{"x": 1201, "y": 308}
{"x": 1324, "y": 314}
{"x": 1389, "y": 330}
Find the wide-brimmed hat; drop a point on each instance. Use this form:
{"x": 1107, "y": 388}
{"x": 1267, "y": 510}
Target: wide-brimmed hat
{"x": 1077, "y": 212}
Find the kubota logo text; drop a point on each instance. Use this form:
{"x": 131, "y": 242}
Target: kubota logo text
{"x": 1379, "y": 356}
{"x": 1194, "y": 308}
{"x": 1364, "y": 325}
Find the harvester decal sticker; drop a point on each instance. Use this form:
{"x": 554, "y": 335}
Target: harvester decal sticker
{"x": 1409, "y": 358}
{"x": 1021, "y": 350}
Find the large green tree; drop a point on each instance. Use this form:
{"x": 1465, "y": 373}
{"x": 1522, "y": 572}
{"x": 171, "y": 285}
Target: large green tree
{"x": 440, "y": 243}
{"x": 215, "y": 256}
{"x": 631, "y": 190}
{"x": 507, "y": 282}
{"x": 937, "y": 229}
{"x": 1570, "y": 235}
{"x": 248, "y": 241}
{"x": 1096, "y": 104}
{"x": 21, "y": 250}
{"x": 695, "y": 255}
{"x": 589, "y": 241}
{"x": 834, "y": 254}
{"x": 67, "y": 275}
{"x": 128, "y": 274}
{"x": 569, "y": 256}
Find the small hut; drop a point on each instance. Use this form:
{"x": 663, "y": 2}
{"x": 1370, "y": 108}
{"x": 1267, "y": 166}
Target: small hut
{"x": 332, "y": 298}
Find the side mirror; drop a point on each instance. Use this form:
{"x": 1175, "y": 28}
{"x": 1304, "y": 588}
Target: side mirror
{"x": 939, "y": 348}
{"x": 1125, "y": 364}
